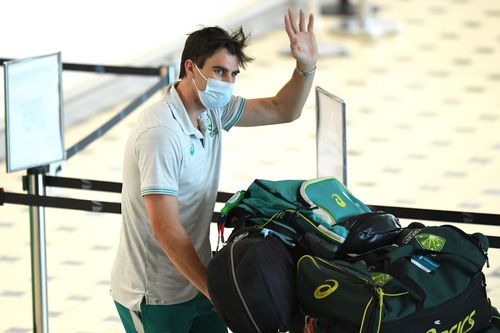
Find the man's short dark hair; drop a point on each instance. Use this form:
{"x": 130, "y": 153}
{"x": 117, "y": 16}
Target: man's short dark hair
{"x": 203, "y": 43}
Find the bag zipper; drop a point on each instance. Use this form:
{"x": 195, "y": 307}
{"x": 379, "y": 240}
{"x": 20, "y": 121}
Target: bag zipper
{"x": 351, "y": 272}
{"x": 256, "y": 212}
{"x": 273, "y": 192}
{"x": 376, "y": 313}
{"x": 233, "y": 272}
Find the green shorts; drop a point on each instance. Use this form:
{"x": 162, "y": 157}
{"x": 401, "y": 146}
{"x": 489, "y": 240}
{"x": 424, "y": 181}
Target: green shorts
{"x": 194, "y": 316}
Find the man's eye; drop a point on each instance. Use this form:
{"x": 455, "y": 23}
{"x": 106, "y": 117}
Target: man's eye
{"x": 219, "y": 72}
{"x": 234, "y": 74}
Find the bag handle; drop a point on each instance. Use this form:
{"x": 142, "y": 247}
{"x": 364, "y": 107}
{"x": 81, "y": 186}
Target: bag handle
{"x": 414, "y": 289}
{"x": 407, "y": 251}
{"x": 393, "y": 268}
{"x": 401, "y": 252}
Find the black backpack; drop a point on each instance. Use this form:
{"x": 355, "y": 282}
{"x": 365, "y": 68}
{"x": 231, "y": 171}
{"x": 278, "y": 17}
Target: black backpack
{"x": 251, "y": 282}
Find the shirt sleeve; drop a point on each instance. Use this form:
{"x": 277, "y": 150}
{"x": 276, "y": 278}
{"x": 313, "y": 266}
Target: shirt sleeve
{"x": 159, "y": 159}
{"x": 232, "y": 112}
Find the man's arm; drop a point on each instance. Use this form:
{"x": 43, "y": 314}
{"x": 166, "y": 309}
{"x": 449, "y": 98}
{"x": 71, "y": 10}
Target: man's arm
{"x": 287, "y": 105}
{"x": 163, "y": 212}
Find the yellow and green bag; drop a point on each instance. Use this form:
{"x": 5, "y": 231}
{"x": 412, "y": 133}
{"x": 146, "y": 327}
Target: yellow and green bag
{"x": 431, "y": 283}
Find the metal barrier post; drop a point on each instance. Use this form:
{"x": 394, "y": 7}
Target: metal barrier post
{"x": 38, "y": 253}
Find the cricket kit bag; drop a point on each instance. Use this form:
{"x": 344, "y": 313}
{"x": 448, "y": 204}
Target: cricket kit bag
{"x": 251, "y": 282}
{"x": 430, "y": 281}
{"x": 315, "y": 215}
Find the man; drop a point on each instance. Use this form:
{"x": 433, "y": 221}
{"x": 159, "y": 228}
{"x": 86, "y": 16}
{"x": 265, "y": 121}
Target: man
{"x": 171, "y": 174}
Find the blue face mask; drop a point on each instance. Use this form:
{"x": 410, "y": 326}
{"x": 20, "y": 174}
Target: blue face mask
{"x": 217, "y": 93}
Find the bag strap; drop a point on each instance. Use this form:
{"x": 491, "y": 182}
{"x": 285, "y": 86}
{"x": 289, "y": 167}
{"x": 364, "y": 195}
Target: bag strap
{"x": 286, "y": 228}
{"x": 397, "y": 271}
{"x": 408, "y": 251}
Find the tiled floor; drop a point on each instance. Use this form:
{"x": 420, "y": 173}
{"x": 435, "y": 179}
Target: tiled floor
{"x": 423, "y": 131}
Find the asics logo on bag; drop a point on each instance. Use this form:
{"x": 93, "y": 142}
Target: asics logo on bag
{"x": 338, "y": 200}
{"x": 326, "y": 289}
{"x": 463, "y": 326}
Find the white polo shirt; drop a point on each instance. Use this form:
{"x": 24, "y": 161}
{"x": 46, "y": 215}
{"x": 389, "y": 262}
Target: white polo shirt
{"x": 166, "y": 154}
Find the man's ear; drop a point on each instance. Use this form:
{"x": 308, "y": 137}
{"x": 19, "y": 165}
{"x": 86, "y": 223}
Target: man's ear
{"x": 189, "y": 66}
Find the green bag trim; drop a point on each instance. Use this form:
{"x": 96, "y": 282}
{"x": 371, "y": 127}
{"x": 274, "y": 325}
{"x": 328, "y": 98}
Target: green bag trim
{"x": 328, "y": 235}
{"x": 381, "y": 295}
{"x": 348, "y": 201}
{"x": 337, "y": 267}
{"x": 331, "y": 220}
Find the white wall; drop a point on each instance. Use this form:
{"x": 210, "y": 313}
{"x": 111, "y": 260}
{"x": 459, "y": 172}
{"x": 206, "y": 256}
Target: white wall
{"x": 106, "y": 32}
{"x": 134, "y": 33}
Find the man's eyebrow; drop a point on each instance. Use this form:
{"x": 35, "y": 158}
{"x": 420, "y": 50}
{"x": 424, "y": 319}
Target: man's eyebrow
{"x": 226, "y": 69}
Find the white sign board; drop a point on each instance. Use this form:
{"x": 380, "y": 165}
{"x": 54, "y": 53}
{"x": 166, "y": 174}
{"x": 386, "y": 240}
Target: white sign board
{"x": 331, "y": 136}
{"x": 34, "y": 127}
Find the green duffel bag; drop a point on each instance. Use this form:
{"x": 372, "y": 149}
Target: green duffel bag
{"x": 324, "y": 199}
{"x": 431, "y": 283}
{"x": 295, "y": 209}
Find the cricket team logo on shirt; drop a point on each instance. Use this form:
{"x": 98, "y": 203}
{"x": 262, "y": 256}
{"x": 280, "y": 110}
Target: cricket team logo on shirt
{"x": 211, "y": 128}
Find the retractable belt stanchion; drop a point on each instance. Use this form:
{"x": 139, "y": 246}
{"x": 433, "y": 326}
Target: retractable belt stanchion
{"x": 35, "y": 182}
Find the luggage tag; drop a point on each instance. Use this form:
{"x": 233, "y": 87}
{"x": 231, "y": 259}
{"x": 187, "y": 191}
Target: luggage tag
{"x": 424, "y": 263}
